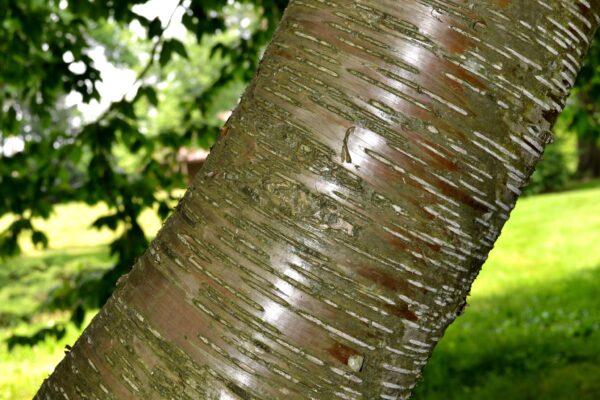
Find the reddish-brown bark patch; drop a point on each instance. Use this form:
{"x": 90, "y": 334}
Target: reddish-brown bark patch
{"x": 381, "y": 278}
{"x": 341, "y": 352}
{"x": 402, "y": 311}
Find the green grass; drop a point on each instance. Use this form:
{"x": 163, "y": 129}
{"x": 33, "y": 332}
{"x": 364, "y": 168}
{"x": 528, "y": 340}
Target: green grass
{"x": 25, "y": 280}
{"x": 23, "y": 369}
{"x": 531, "y": 331}
{"x": 532, "y": 328}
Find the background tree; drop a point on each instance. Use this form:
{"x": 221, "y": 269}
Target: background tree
{"x": 577, "y": 134}
{"x": 59, "y": 159}
{"x": 583, "y": 115}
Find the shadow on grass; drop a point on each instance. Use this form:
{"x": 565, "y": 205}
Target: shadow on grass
{"x": 25, "y": 266}
{"x": 583, "y": 185}
{"x": 26, "y": 280}
{"x": 532, "y": 343}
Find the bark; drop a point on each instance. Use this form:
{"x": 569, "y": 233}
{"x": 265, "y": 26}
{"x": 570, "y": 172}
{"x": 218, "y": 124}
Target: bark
{"x": 336, "y": 228}
{"x": 588, "y": 165}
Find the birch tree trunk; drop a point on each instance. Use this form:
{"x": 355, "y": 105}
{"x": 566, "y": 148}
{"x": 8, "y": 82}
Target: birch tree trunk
{"x": 338, "y": 224}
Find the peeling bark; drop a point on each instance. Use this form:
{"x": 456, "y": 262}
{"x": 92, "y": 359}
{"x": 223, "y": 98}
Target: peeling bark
{"x": 333, "y": 234}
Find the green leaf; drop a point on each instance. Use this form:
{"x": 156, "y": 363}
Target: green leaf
{"x": 109, "y": 221}
{"x": 150, "y": 93}
{"x": 169, "y": 47}
{"x": 154, "y": 28}
{"x": 39, "y": 238}
{"x": 78, "y": 315}
{"x": 178, "y": 47}
{"x": 163, "y": 210}
{"x": 11, "y": 124}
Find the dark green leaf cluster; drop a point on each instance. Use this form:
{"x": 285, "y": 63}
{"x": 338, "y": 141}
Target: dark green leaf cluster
{"x": 46, "y": 158}
{"x": 551, "y": 173}
{"x": 583, "y": 115}
{"x": 583, "y": 107}
{"x": 581, "y": 118}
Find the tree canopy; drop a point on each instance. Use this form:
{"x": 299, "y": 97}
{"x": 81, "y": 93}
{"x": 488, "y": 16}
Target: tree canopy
{"x": 51, "y": 154}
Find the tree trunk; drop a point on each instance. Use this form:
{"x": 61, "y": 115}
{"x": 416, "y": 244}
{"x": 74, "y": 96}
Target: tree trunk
{"x": 336, "y": 228}
{"x": 588, "y": 166}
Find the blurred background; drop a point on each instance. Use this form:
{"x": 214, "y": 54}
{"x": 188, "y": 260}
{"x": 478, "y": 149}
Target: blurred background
{"x": 110, "y": 107}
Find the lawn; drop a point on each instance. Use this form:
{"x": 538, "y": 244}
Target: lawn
{"x": 531, "y": 330}
{"x": 532, "y": 327}
{"x": 25, "y": 280}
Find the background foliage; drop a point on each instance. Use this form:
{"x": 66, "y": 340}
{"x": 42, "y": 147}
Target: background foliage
{"x": 125, "y": 157}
